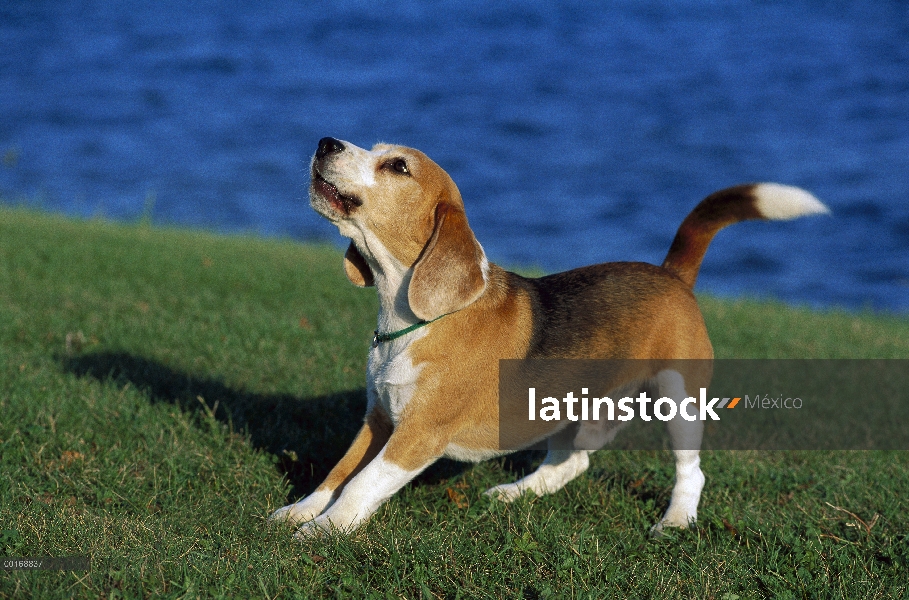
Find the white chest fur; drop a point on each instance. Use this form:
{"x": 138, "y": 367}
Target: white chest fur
{"x": 392, "y": 376}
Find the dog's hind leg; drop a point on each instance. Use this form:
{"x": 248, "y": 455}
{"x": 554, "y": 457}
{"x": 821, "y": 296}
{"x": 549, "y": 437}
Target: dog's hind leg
{"x": 560, "y": 466}
{"x": 685, "y": 437}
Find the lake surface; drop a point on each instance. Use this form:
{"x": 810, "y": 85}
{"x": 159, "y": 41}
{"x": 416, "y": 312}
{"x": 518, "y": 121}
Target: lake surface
{"x": 578, "y": 132}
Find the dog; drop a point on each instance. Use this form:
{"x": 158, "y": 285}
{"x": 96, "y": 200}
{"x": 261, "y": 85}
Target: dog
{"x": 447, "y": 315}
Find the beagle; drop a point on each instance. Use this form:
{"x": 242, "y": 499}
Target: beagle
{"x": 447, "y": 315}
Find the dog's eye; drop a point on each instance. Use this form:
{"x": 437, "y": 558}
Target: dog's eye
{"x": 398, "y": 166}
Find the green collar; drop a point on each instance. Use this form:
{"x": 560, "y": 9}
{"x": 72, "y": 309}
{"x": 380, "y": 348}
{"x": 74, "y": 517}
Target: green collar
{"x": 378, "y": 338}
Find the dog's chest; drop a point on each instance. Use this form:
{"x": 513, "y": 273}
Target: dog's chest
{"x": 392, "y": 377}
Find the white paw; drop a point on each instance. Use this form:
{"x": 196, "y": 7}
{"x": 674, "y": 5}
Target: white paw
{"x": 681, "y": 521}
{"x": 289, "y": 514}
{"x": 507, "y": 492}
{"x": 330, "y": 522}
{"x": 306, "y": 509}
{"x": 315, "y": 528}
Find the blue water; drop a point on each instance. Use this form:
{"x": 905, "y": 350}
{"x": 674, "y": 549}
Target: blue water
{"x": 578, "y": 132}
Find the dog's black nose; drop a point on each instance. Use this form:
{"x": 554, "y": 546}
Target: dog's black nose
{"x": 328, "y": 146}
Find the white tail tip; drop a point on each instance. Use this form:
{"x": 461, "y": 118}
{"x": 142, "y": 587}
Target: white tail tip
{"x": 783, "y": 202}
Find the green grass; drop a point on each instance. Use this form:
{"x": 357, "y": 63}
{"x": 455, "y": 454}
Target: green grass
{"x": 161, "y": 392}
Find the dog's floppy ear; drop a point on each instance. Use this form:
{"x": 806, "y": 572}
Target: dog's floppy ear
{"x": 356, "y": 269}
{"x": 449, "y": 273}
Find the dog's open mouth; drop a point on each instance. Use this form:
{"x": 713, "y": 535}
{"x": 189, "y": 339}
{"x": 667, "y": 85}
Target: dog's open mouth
{"x": 340, "y": 202}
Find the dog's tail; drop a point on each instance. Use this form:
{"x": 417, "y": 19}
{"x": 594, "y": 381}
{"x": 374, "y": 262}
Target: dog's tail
{"x": 769, "y": 201}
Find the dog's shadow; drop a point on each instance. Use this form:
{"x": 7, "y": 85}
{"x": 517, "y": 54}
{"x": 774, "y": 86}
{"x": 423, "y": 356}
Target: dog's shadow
{"x": 308, "y": 436}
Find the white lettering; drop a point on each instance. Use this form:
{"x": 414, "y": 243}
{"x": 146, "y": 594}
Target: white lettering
{"x": 570, "y": 401}
{"x": 610, "y": 413}
{"x": 672, "y": 409}
{"x": 625, "y": 407}
{"x": 685, "y": 414}
{"x": 551, "y": 412}
{"x": 643, "y": 399}
{"x": 707, "y": 408}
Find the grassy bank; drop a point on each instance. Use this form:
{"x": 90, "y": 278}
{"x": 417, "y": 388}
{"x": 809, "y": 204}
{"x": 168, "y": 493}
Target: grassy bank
{"x": 161, "y": 392}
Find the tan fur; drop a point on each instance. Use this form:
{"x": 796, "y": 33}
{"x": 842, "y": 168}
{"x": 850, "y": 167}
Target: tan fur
{"x": 435, "y": 391}
{"x": 448, "y": 275}
{"x": 459, "y": 398}
{"x": 373, "y": 435}
{"x": 458, "y": 401}
{"x": 652, "y": 315}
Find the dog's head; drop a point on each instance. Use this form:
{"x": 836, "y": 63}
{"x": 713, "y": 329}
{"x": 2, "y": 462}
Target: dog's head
{"x": 404, "y": 215}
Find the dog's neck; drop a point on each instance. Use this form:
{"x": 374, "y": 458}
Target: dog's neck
{"x": 394, "y": 307}
{"x": 392, "y": 281}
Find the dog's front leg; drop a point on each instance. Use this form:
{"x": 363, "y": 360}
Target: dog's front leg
{"x": 369, "y": 441}
{"x": 409, "y": 450}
